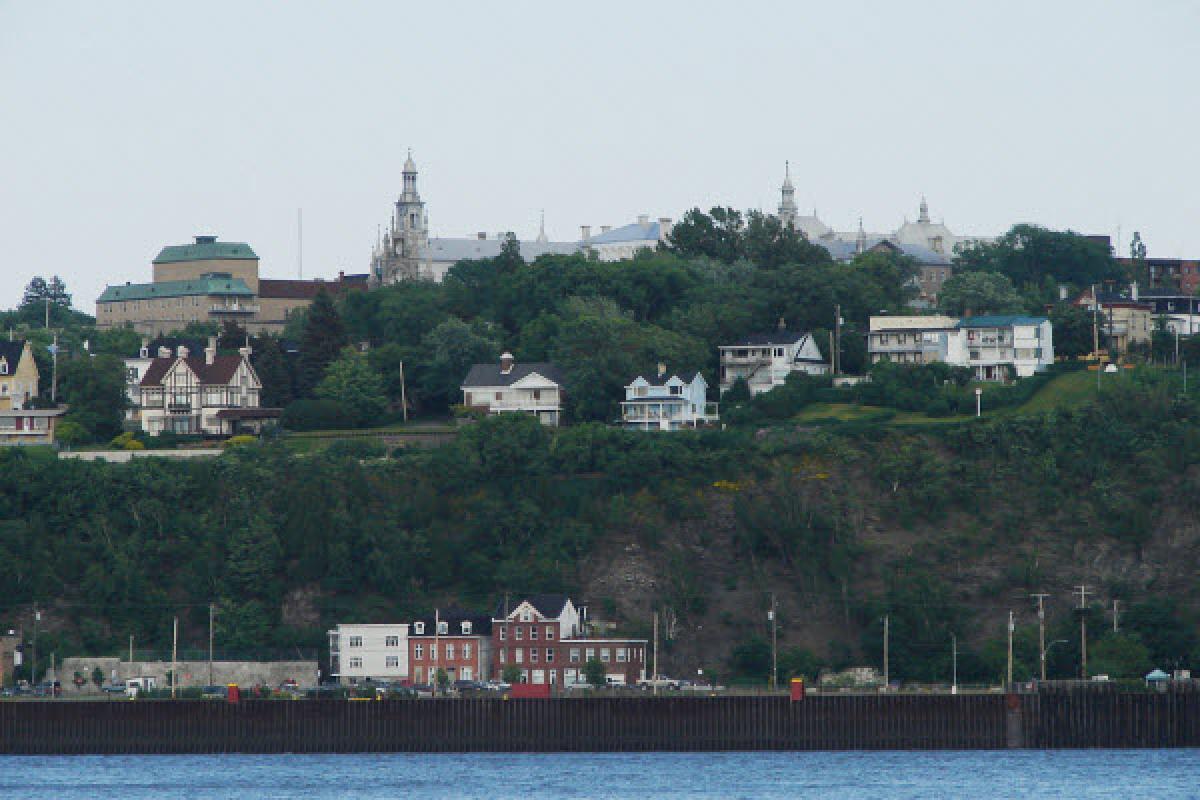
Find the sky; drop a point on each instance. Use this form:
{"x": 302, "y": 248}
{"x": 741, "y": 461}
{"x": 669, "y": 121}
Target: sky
{"x": 128, "y": 126}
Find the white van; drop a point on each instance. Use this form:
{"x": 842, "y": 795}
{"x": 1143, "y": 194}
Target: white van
{"x": 135, "y": 685}
{"x": 614, "y": 680}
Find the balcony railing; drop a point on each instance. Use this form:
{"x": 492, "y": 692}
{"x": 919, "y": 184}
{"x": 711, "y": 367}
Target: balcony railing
{"x": 236, "y": 308}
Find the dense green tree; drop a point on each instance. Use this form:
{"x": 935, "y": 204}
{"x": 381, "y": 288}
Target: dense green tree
{"x": 272, "y": 368}
{"x": 1072, "y": 328}
{"x": 40, "y": 291}
{"x": 1120, "y": 657}
{"x": 446, "y": 355}
{"x": 355, "y": 386}
{"x": 94, "y": 389}
{"x": 979, "y": 293}
{"x": 595, "y": 673}
{"x": 1027, "y": 254}
{"x": 323, "y": 339}
{"x": 717, "y": 234}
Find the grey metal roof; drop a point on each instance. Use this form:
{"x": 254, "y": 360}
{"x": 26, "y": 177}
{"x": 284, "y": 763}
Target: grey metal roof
{"x": 842, "y": 250}
{"x": 634, "y": 232}
{"x": 455, "y": 250}
{"x": 774, "y": 337}
{"x": 490, "y": 374}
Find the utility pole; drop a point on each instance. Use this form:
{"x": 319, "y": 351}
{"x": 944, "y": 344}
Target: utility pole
{"x": 131, "y": 649}
{"x": 299, "y": 242}
{"x": 1010, "y": 658}
{"x": 654, "y": 676}
{"x": 774, "y": 644}
{"x": 403, "y": 394}
{"x": 37, "y": 617}
{"x": 1041, "y": 596}
{"x": 1096, "y": 334}
{"x": 212, "y": 609}
{"x": 886, "y": 673}
{"x": 837, "y": 350}
{"x": 54, "y": 370}
{"x": 174, "y": 656}
{"x": 437, "y": 627}
{"x": 1083, "y": 593}
{"x": 47, "y": 312}
{"x": 1116, "y": 615}
{"x": 954, "y": 674}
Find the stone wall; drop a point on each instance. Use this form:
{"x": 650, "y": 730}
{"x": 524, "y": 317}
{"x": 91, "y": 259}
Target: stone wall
{"x": 191, "y": 673}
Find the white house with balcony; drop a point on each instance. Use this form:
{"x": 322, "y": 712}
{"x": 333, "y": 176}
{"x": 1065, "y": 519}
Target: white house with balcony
{"x": 667, "y": 404}
{"x": 362, "y": 653}
{"x": 995, "y": 346}
{"x": 766, "y": 359}
{"x": 508, "y": 387}
{"x": 177, "y": 392}
{"x": 912, "y": 339}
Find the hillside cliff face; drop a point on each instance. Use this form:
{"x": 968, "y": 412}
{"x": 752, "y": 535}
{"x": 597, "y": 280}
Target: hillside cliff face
{"x": 943, "y": 530}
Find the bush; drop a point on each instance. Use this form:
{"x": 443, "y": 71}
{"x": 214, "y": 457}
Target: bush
{"x": 360, "y": 448}
{"x": 240, "y": 439}
{"x": 315, "y": 415}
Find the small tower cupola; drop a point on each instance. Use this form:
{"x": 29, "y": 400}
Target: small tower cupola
{"x": 506, "y": 363}
{"x": 923, "y": 216}
{"x": 787, "y": 201}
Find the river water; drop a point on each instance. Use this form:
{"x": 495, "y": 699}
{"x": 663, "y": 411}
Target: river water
{"x": 1142, "y": 774}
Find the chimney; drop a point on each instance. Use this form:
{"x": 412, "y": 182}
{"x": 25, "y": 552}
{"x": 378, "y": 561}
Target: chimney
{"x": 1133, "y": 291}
{"x": 181, "y": 351}
{"x": 662, "y": 370}
{"x": 1062, "y": 292}
{"x": 586, "y": 232}
{"x": 164, "y": 352}
{"x": 506, "y": 363}
{"x": 605, "y": 228}
{"x": 643, "y": 219}
{"x": 244, "y": 352}
{"x": 341, "y": 275}
{"x": 144, "y": 351}
{"x": 481, "y": 236}
{"x": 664, "y": 227}
{"x": 782, "y": 324}
{"x": 210, "y": 352}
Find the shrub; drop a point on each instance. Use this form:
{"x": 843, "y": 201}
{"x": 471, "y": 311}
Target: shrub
{"x": 315, "y": 415}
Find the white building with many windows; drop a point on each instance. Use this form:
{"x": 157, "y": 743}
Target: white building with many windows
{"x": 766, "y": 359}
{"x": 362, "y": 653}
{"x": 667, "y": 404}
{"x": 995, "y": 348}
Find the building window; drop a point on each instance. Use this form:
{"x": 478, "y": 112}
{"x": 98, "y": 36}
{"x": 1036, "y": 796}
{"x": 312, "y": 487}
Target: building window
{"x": 622, "y": 655}
{"x": 549, "y": 632}
{"x": 449, "y": 652}
{"x": 391, "y": 641}
{"x": 443, "y": 628}
{"x": 533, "y": 632}
{"x": 526, "y": 616}
{"x": 419, "y": 652}
{"x": 503, "y": 655}
{"x": 503, "y": 632}
{"x": 392, "y": 662}
{"x": 574, "y": 655}
{"x": 356, "y": 662}
{"x": 499, "y": 396}
{"x": 533, "y": 654}
{"x": 519, "y": 656}
{"x": 466, "y": 628}
{"x": 549, "y": 654}
{"x": 677, "y": 390}
{"x": 605, "y": 655}
{"x": 356, "y": 641}
{"x": 433, "y": 652}
{"x": 519, "y": 633}
{"x": 779, "y": 352}
{"x": 419, "y": 628}
{"x": 466, "y": 650}
{"x": 591, "y": 653}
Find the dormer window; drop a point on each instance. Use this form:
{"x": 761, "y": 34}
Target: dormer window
{"x": 526, "y": 616}
{"x": 443, "y": 628}
{"x": 466, "y": 628}
{"x": 419, "y": 628}
{"x": 3, "y": 366}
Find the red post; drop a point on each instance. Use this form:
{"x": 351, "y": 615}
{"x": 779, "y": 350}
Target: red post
{"x": 797, "y": 689}
{"x": 233, "y": 693}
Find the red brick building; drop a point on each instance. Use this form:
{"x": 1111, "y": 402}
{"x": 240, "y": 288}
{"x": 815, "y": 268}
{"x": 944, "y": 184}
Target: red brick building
{"x": 454, "y": 640}
{"x": 544, "y": 637}
{"x": 1180, "y": 273}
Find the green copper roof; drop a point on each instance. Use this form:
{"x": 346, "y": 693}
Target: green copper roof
{"x": 212, "y": 284}
{"x": 204, "y": 248}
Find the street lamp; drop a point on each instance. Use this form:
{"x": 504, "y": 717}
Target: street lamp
{"x": 978, "y": 400}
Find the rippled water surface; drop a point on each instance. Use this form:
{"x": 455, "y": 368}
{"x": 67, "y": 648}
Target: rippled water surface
{"x": 1143, "y": 774}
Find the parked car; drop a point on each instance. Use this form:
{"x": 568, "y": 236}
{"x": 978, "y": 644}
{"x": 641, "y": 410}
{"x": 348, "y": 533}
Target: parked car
{"x": 215, "y": 692}
{"x": 48, "y": 689}
{"x": 113, "y": 688}
{"x": 660, "y": 682}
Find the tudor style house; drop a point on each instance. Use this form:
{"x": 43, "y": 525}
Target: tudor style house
{"x": 667, "y": 404}
{"x": 176, "y": 392}
{"x": 766, "y": 359}
{"x": 535, "y": 388}
{"x": 364, "y": 653}
{"x": 545, "y": 637}
{"x": 454, "y": 641}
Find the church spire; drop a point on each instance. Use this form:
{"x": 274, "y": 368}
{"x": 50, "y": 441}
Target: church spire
{"x": 541, "y": 237}
{"x": 787, "y": 201}
{"x": 924, "y": 215}
{"x": 860, "y": 243}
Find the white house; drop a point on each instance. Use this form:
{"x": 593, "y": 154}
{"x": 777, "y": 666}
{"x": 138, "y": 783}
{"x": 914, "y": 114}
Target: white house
{"x": 994, "y": 345}
{"x": 766, "y": 359}
{"x": 360, "y": 653}
{"x": 177, "y": 392}
{"x": 667, "y": 405}
{"x": 534, "y": 388}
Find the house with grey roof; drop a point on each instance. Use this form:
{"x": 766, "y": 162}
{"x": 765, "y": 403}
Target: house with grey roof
{"x": 615, "y": 244}
{"x": 508, "y": 387}
{"x": 665, "y": 403}
{"x": 765, "y": 360}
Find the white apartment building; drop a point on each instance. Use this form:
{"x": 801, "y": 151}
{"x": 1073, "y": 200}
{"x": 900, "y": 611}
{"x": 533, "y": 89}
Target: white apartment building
{"x": 509, "y": 387}
{"x": 766, "y": 359}
{"x": 995, "y": 347}
{"x": 911, "y": 340}
{"x": 667, "y": 405}
{"x": 361, "y": 653}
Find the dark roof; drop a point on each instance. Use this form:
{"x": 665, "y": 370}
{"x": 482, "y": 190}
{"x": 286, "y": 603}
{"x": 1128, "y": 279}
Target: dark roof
{"x": 249, "y": 413}
{"x": 205, "y": 248}
{"x": 490, "y": 375}
{"x": 775, "y": 337}
{"x": 481, "y": 624}
{"x": 303, "y": 290}
{"x": 548, "y": 605}
{"x": 11, "y": 352}
{"x": 221, "y": 370}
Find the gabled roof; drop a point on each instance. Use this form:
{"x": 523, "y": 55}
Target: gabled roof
{"x": 205, "y": 248}
{"x": 685, "y": 378}
{"x": 999, "y": 321}
{"x": 772, "y": 338}
{"x": 209, "y": 285}
{"x": 11, "y": 352}
{"x": 221, "y": 371}
{"x": 548, "y": 605}
{"x": 490, "y": 374}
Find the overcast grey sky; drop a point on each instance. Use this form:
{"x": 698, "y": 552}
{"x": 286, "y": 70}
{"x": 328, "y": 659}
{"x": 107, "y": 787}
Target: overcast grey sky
{"x": 128, "y": 126}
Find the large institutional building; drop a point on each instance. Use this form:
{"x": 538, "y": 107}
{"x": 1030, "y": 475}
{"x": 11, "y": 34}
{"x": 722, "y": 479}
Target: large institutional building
{"x": 405, "y": 251}
{"x": 210, "y": 281}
